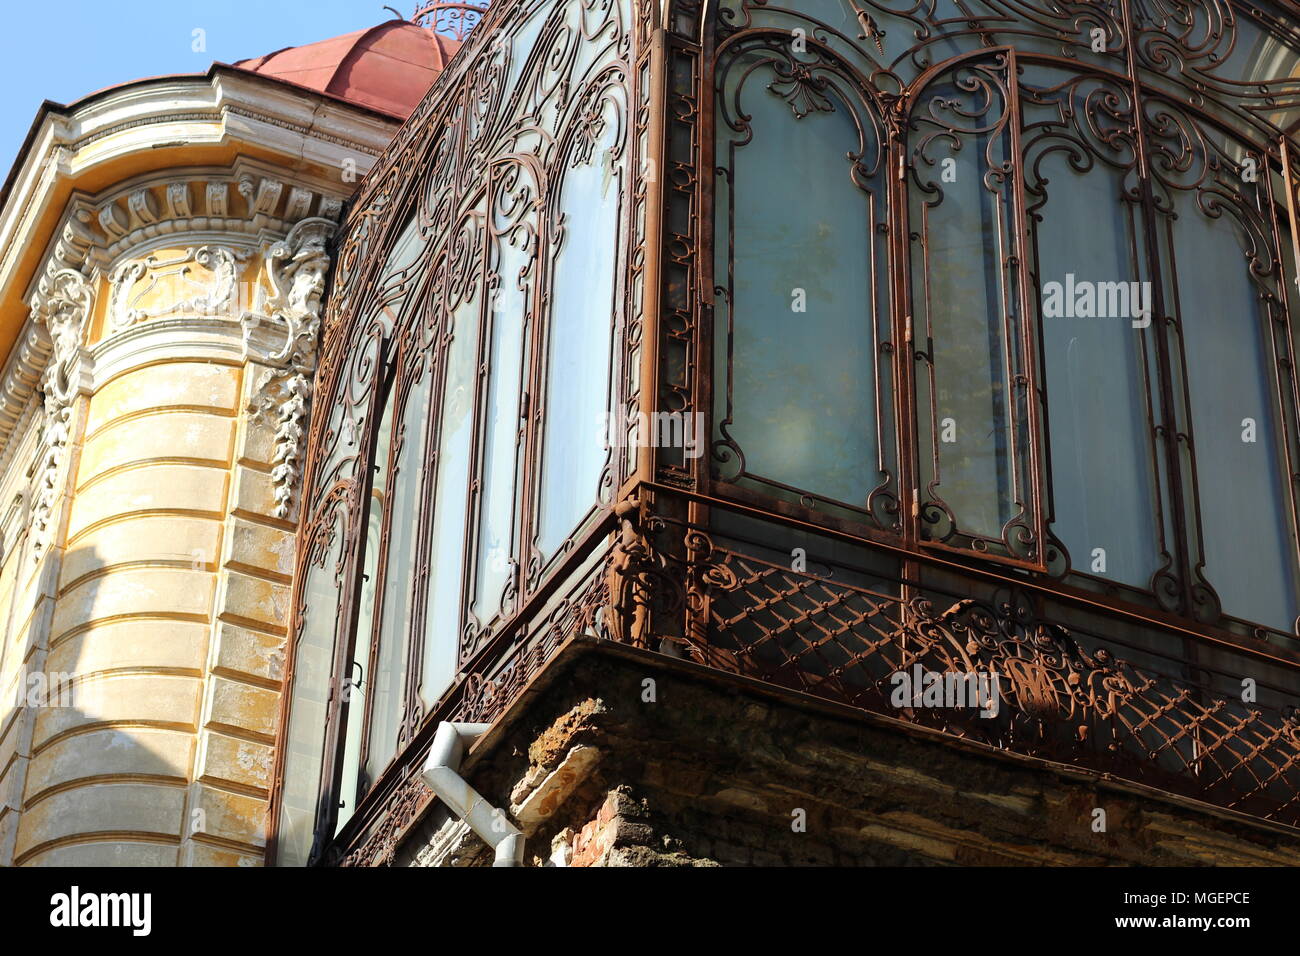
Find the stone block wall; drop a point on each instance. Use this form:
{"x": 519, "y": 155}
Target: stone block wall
{"x": 624, "y": 759}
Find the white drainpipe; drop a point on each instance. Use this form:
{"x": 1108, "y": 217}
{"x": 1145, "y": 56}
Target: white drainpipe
{"x": 442, "y": 774}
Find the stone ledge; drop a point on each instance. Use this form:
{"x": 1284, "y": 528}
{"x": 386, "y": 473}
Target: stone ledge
{"x": 724, "y": 770}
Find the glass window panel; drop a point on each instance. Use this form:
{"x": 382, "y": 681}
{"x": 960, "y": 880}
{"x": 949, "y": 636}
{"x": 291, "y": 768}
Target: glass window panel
{"x": 1245, "y": 515}
{"x": 1102, "y": 454}
{"x": 502, "y": 424}
{"x": 802, "y": 376}
{"x": 963, "y": 301}
{"x": 582, "y": 315}
{"x": 358, "y": 687}
{"x": 389, "y": 678}
{"x": 450, "y": 500}
{"x": 396, "y": 280}
{"x": 304, "y": 742}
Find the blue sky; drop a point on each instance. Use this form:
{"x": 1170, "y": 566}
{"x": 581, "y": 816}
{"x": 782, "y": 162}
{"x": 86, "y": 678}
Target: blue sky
{"x": 63, "y": 49}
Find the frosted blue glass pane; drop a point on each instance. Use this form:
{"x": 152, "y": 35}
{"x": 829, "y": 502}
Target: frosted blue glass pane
{"x": 304, "y": 741}
{"x": 501, "y": 427}
{"x": 1243, "y": 496}
{"x": 450, "y": 499}
{"x": 803, "y": 388}
{"x": 359, "y": 680}
{"x": 966, "y": 303}
{"x": 389, "y": 678}
{"x": 577, "y": 369}
{"x": 1103, "y": 470}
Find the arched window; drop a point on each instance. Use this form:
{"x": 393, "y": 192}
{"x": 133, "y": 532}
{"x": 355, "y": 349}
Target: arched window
{"x": 803, "y": 388}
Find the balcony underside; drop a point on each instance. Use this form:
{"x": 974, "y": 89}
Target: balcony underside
{"x": 1101, "y": 695}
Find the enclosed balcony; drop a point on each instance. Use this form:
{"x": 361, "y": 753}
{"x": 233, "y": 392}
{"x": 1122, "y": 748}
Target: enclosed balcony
{"x": 811, "y": 343}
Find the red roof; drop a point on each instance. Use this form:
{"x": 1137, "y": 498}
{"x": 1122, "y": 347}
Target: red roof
{"x": 388, "y": 67}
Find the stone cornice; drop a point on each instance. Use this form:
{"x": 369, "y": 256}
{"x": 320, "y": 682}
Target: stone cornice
{"x": 135, "y": 146}
{"x": 167, "y": 123}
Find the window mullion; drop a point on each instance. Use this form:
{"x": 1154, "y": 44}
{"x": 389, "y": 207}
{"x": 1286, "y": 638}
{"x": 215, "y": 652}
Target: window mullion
{"x": 1173, "y": 423}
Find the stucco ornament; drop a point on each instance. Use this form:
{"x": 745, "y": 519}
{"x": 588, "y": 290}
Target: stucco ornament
{"x": 214, "y": 293}
{"x": 62, "y": 304}
{"x": 297, "y": 269}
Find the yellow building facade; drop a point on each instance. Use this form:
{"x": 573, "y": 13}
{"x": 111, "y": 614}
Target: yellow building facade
{"x": 164, "y": 247}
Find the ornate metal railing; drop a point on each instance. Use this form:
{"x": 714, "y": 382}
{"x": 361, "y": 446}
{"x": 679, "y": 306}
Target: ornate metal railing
{"x": 1141, "y": 702}
{"x": 1059, "y": 696}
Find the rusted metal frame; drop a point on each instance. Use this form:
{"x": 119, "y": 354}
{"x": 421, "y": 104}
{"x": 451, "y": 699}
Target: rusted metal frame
{"x": 1010, "y": 261}
{"x": 696, "y": 614}
{"x": 1134, "y": 711}
{"x": 437, "y": 353}
{"x": 815, "y": 606}
{"x": 442, "y": 154}
{"x": 533, "y": 387}
{"x": 680, "y": 305}
{"x": 397, "y": 355}
{"x": 737, "y": 38}
{"x": 1169, "y": 409}
{"x": 905, "y": 352}
{"x": 341, "y": 333}
{"x": 1124, "y": 79}
{"x": 1196, "y": 589}
{"x": 1136, "y": 256}
{"x": 1239, "y": 96}
{"x": 394, "y": 393}
{"x": 446, "y": 87}
{"x": 426, "y": 252}
{"x": 1017, "y": 339}
{"x": 479, "y": 417}
{"x": 482, "y": 332}
{"x": 1030, "y": 344}
{"x": 680, "y": 256}
{"x": 707, "y": 349}
{"x": 1171, "y": 412}
{"x": 1200, "y": 593}
{"x": 1282, "y": 353}
{"x": 625, "y": 262}
{"x": 334, "y": 389}
{"x": 1286, "y": 360}
{"x": 417, "y": 136}
{"x": 410, "y": 365}
{"x": 1040, "y": 430}
{"x": 348, "y": 508}
{"x": 475, "y": 628}
{"x": 649, "y": 126}
{"x": 442, "y": 332}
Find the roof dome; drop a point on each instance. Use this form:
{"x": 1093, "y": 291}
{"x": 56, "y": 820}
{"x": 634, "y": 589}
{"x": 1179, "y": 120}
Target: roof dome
{"x": 387, "y": 68}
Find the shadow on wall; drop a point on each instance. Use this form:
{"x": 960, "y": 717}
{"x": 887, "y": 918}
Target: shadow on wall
{"x": 112, "y": 779}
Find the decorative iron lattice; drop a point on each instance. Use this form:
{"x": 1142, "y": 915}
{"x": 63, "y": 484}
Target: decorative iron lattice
{"x": 455, "y": 20}
{"x": 1056, "y": 699}
{"x": 1060, "y": 696}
